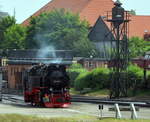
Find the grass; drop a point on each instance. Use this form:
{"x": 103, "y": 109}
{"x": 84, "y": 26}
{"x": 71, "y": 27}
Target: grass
{"x": 22, "y": 118}
{"x": 74, "y": 92}
{"x": 140, "y": 94}
{"x": 145, "y": 94}
{"x": 25, "y": 118}
{"x": 96, "y": 93}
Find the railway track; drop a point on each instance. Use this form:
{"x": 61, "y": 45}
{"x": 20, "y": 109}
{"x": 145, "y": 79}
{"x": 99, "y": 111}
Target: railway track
{"x": 86, "y": 99}
{"x": 12, "y": 98}
{"x": 18, "y": 101}
{"x": 144, "y": 103}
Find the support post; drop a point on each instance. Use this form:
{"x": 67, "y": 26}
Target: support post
{"x": 101, "y": 107}
{"x": 118, "y": 113}
{"x": 133, "y": 111}
{"x": 145, "y": 79}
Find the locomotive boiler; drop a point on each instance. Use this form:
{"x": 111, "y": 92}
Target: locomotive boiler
{"x": 47, "y": 85}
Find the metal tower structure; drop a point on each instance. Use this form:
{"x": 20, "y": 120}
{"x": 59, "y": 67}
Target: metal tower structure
{"x": 119, "y": 19}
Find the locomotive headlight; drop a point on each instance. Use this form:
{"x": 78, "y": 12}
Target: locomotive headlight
{"x": 66, "y": 89}
{"x": 51, "y": 89}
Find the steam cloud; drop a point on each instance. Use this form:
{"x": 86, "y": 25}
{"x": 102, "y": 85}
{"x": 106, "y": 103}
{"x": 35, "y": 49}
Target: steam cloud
{"x": 48, "y": 53}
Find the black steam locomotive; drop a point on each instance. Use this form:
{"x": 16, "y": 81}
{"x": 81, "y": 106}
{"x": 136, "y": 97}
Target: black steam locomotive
{"x": 47, "y": 85}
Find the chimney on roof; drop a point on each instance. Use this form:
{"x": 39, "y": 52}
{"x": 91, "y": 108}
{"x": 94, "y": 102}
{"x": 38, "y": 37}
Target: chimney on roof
{"x": 145, "y": 31}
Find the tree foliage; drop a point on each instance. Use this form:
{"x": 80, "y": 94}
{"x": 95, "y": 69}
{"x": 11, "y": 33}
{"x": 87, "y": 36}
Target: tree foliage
{"x": 60, "y": 29}
{"x": 132, "y": 12}
{"x": 5, "y": 23}
{"x": 74, "y": 71}
{"x": 99, "y": 78}
{"x": 31, "y": 32}
{"x": 95, "y": 79}
{"x": 14, "y": 37}
{"x": 138, "y": 46}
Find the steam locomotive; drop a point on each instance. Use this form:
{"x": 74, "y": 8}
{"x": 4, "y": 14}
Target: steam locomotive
{"x": 47, "y": 85}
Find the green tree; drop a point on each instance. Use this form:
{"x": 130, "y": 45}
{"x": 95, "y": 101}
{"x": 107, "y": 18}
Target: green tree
{"x": 14, "y": 37}
{"x": 60, "y": 29}
{"x": 138, "y": 46}
{"x": 31, "y": 32}
{"x": 132, "y": 12}
{"x": 5, "y": 23}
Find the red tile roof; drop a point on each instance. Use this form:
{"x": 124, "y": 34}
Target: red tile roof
{"x": 96, "y": 8}
{"x": 87, "y": 9}
{"x": 138, "y": 25}
{"x": 92, "y": 9}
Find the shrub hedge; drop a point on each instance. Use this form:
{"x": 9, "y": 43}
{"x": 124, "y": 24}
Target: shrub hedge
{"x": 135, "y": 76}
{"x": 96, "y": 79}
{"x": 73, "y": 72}
{"x": 99, "y": 78}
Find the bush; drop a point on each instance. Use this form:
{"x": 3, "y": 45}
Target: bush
{"x": 96, "y": 79}
{"x": 80, "y": 83}
{"x": 76, "y": 66}
{"x": 99, "y": 78}
{"x": 73, "y": 72}
{"x": 135, "y": 76}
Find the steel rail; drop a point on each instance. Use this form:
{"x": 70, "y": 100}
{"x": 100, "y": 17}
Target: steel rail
{"x": 110, "y": 101}
{"x": 11, "y": 98}
{"x": 87, "y": 99}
